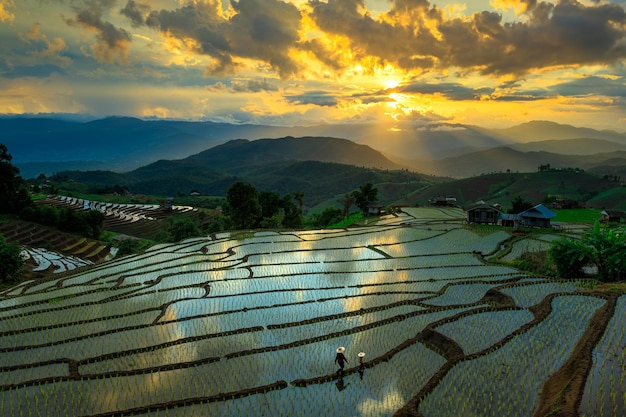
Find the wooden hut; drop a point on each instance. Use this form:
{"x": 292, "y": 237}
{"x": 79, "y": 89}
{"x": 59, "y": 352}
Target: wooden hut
{"x": 482, "y": 213}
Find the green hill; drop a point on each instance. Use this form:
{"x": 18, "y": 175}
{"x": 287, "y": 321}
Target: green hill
{"x": 318, "y": 166}
{"x": 590, "y": 189}
{"x": 325, "y": 169}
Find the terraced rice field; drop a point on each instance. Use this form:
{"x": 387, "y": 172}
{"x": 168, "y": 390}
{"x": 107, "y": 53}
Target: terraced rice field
{"x": 139, "y": 220}
{"x": 49, "y": 251}
{"x": 220, "y": 326}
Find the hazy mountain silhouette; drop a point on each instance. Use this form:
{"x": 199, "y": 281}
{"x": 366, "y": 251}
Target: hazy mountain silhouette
{"x": 122, "y": 144}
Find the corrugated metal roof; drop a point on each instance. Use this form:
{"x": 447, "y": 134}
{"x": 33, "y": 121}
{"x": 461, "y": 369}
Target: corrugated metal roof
{"x": 539, "y": 211}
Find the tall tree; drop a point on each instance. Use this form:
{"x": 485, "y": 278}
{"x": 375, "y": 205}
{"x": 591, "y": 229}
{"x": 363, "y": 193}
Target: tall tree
{"x": 365, "y": 195}
{"x": 292, "y": 212}
{"x": 14, "y": 194}
{"x": 346, "y": 202}
{"x": 243, "y": 206}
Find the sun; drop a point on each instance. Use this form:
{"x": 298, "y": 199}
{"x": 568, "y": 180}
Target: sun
{"x": 394, "y": 100}
{"x": 391, "y": 83}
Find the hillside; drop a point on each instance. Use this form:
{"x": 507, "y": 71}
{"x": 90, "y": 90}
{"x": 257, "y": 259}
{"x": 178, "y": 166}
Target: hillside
{"x": 238, "y": 154}
{"x": 502, "y": 188}
{"x": 325, "y": 168}
{"x": 505, "y": 159}
{"x": 320, "y": 167}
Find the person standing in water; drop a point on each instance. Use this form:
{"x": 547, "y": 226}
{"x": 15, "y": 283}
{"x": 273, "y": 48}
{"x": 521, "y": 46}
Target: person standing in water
{"x": 341, "y": 359}
{"x": 361, "y": 355}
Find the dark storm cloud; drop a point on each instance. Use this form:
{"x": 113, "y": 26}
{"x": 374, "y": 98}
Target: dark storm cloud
{"x": 112, "y": 42}
{"x": 415, "y": 34}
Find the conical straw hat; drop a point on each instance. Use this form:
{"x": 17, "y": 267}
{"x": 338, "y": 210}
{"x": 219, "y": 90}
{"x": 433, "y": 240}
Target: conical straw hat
{"x": 340, "y": 349}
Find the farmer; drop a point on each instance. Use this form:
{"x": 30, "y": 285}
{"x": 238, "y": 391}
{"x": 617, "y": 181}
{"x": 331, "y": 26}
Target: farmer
{"x": 361, "y": 355}
{"x": 340, "y": 358}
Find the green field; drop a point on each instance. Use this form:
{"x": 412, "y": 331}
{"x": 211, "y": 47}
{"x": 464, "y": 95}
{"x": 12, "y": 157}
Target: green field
{"x": 577, "y": 216}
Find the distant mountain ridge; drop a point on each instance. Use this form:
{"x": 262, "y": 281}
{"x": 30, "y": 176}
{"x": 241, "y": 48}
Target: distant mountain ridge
{"x": 123, "y": 144}
{"x": 238, "y": 153}
{"x": 541, "y": 130}
{"x": 505, "y": 159}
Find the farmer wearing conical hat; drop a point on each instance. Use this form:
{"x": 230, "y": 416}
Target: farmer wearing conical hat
{"x": 361, "y": 355}
{"x": 341, "y": 359}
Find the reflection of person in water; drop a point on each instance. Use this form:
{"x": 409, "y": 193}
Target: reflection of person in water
{"x": 340, "y": 385}
{"x": 340, "y": 358}
{"x": 361, "y": 355}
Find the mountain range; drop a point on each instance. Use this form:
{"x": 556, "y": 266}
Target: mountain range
{"x": 121, "y": 144}
{"x": 172, "y": 157}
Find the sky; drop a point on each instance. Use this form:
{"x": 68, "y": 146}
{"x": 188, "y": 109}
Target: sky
{"x": 399, "y": 63}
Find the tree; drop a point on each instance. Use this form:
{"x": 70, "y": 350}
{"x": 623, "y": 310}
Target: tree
{"x": 608, "y": 249}
{"x": 602, "y": 247}
{"x": 11, "y": 261}
{"x": 14, "y": 195}
{"x": 346, "y": 202}
{"x": 74, "y": 221}
{"x": 127, "y": 246}
{"x": 330, "y": 215}
{"x": 292, "y": 213}
{"x": 365, "y": 195}
{"x": 183, "y": 228}
{"x": 270, "y": 203}
{"x": 299, "y": 197}
{"x": 243, "y": 205}
{"x": 569, "y": 257}
{"x": 95, "y": 220}
{"x": 519, "y": 205}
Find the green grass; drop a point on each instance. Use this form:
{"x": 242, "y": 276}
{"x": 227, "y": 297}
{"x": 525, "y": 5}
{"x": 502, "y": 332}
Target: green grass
{"x": 577, "y": 215}
{"x": 347, "y": 221}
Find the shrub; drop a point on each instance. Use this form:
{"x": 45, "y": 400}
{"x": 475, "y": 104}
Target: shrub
{"x": 11, "y": 261}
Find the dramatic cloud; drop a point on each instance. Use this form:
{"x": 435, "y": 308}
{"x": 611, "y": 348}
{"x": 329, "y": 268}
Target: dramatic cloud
{"x": 453, "y": 91}
{"x": 112, "y": 42}
{"x": 414, "y": 34}
{"x": 310, "y": 61}
{"x": 263, "y": 30}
